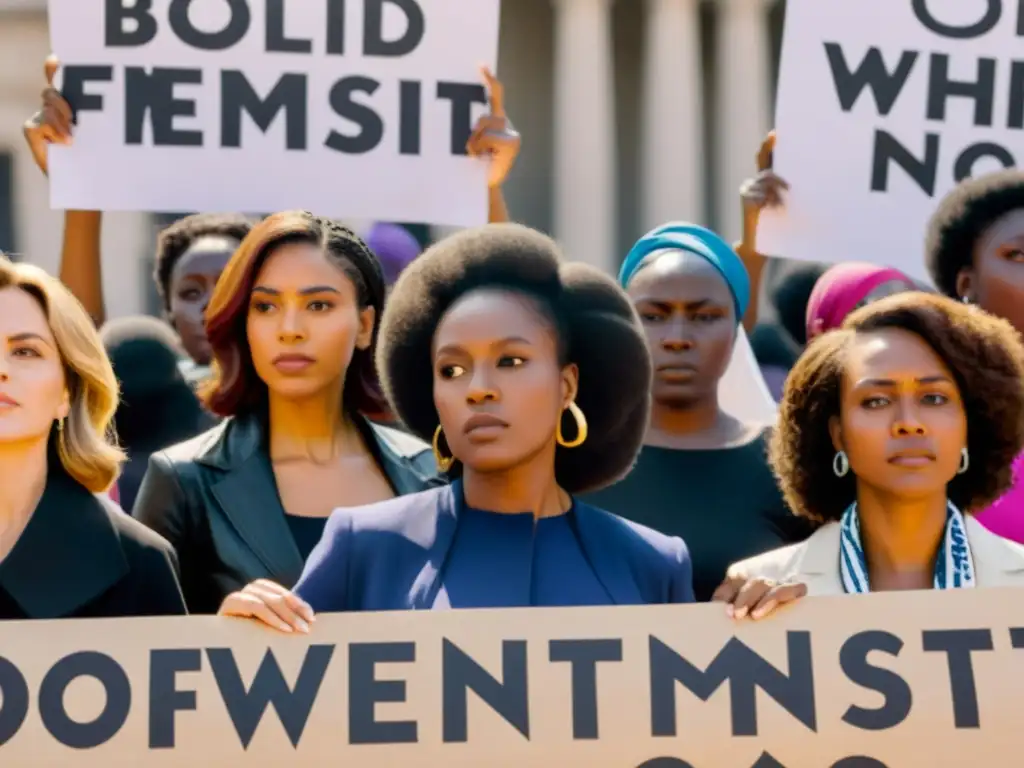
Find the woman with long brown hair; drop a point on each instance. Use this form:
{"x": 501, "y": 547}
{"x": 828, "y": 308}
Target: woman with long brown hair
{"x": 65, "y": 550}
{"x": 293, "y": 327}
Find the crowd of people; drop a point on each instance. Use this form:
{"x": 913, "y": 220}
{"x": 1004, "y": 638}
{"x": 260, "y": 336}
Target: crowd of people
{"x": 326, "y": 422}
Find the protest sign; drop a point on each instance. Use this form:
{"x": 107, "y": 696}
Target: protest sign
{"x": 895, "y": 680}
{"x": 349, "y": 108}
{"x": 882, "y": 108}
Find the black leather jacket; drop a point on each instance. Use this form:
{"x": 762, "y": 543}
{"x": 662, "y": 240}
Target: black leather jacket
{"x": 215, "y": 499}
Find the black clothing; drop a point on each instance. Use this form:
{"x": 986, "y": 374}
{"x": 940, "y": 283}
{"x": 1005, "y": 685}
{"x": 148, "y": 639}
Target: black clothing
{"x": 81, "y": 556}
{"x": 215, "y": 499}
{"x": 724, "y": 503}
{"x": 306, "y": 531}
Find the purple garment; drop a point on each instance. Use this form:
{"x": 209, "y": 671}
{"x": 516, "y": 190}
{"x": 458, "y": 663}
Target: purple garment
{"x": 395, "y": 246}
{"x": 1006, "y": 515}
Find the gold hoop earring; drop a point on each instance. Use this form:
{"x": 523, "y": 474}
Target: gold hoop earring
{"x": 444, "y": 463}
{"x": 60, "y": 425}
{"x": 581, "y": 428}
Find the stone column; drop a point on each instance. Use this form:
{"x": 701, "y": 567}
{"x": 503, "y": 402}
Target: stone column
{"x": 672, "y": 186}
{"x": 585, "y": 212}
{"x": 743, "y": 105}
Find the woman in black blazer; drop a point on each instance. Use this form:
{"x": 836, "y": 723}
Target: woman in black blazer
{"x": 293, "y": 327}
{"x": 65, "y": 551}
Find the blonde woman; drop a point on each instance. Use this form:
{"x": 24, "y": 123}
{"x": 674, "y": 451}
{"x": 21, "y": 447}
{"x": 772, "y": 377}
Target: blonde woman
{"x": 65, "y": 549}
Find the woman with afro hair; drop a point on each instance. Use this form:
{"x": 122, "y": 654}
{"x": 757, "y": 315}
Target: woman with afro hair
{"x": 892, "y": 430}
{"x": 975, "y": 253}
{"x": 531, "y": 379}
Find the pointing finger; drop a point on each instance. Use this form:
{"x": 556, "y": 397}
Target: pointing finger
{"x": 495, "y": 92}
{"x": 764, "y": 154}
{"x": 50, "y": 68}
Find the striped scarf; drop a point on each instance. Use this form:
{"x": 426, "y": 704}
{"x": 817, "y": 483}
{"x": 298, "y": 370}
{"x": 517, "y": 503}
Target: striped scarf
{"x": 954, "y": 567}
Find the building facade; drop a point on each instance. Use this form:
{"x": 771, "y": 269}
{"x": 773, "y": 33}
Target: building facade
{"x": 633, "y": 112}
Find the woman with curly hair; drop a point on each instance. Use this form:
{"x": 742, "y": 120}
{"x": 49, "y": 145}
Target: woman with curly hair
{"x": 918, "y": 402}
{"x": 532, "y": 380}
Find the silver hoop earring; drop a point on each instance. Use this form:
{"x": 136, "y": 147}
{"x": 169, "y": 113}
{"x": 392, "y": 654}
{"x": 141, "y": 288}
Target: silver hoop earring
{"x": 965, "y": 299}
{"x": 965, "y": 461}
{"x": 840, "y": 464}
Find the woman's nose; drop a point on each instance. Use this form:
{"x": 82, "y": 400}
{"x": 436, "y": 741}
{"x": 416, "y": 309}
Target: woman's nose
{"x": 291, "y": 328}
{"x": 481, "y": 389}
{"x": 908, "y": 420}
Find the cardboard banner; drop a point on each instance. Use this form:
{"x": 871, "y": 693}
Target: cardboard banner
{"x": 900, "y": 680}
{"x": 356, "y": 109}
{"x": 882, "y": 108}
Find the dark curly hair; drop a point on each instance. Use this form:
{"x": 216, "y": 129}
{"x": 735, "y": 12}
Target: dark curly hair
{"x": 173, "y": 241}
{"x": 986, "y": 358}
{"x": 234, "y": 388}
{"x": 962, "y": 217}
{"x": 597, "y": 328}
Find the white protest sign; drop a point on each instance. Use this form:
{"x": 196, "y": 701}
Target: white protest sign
{"x": 883, "y": 106}
{"x": 349, "y": 108}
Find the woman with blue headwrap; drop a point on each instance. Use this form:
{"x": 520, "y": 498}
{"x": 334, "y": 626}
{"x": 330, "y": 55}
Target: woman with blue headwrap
{"x": 703, "y": 473}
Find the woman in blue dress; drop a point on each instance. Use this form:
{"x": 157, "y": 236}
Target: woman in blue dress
{"x": 531, "y": 378}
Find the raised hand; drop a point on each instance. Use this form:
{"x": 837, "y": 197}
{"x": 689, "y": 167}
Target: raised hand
{"x": 493, "y": 135}
{"x": 52, "y": 124}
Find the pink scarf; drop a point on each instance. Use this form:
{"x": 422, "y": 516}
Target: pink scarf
{"x": 838, "y": 292}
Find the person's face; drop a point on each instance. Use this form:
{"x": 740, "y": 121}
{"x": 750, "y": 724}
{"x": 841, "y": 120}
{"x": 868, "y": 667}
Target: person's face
{"x": 33, "y": 393}
{"x": 689, "y": 317}
{"x": 192, "y": 281}
{"x": 902, "y": 421}
{"x": 499, "y": 387}
{"x": 996, "y": 281}
{"x": 304, "y": 323}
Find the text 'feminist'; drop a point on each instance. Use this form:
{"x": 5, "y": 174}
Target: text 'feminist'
{"x": 153, "y": 97}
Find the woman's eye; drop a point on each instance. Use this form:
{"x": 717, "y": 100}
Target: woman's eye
{"x": 189, "y": 294}
{"x": 262, "y": 307}
{"x": 705, "y": 317}
{"x": 1015, "y": 254}
{"x": 25, "y": 352}
{"x": 320, "y": 306}
{"x": 651, "y": 317}
{"x": 510, "y": 361}
{"x": 935, "y": 399}
{"x": 875, "y": 402}
{"x": 451, "y": 371}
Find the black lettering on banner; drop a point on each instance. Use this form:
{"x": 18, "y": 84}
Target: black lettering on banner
{"x": 374, "y": 43}
{"x": 1016, "y": 642}
{"x": 584, "y": 656}
{"x": 745, "y": 671}
{"x": 365, "y": 691}
{"x": 940, "y": 88}
{"x": 1016, "y": 111}
{"x": 371, "y": 126}
{"x": 853, "y": 659}
{"x": 13, "y": 700}
{"x": 238, "y": 96}
{"x": 665, "y": 762}
{"x": 293, "y": 705}
{"x": 152, "y": 93}
{"x": 509, "y": 697}
{"x": 859, "y": 761}
{"x": 888, "y": 149}
{"x": 964, "y": 166}
{"x": 139, "y": 12}
{"x": 983, "y": 26}
{"x": 462, "y": 96}
{"x": 958, "y": 644}
{"x": 277, "y": 41}
{"x": 872, "y": 73}
{"x": 336, "y": 27}
{"x": 108, "y": 722}
{"x": 767, "y": 761}
{"x": 231, "y": 35}
{"x": 75, "y": 78}
{"x": 410, "y": 112}
{"x": 164, "y": 697}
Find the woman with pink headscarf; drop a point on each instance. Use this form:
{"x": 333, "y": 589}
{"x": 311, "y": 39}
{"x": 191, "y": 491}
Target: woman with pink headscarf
{"x": 845, "y": 287}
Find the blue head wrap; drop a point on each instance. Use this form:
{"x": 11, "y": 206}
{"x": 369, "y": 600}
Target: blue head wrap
{"x": 680, "y": 236}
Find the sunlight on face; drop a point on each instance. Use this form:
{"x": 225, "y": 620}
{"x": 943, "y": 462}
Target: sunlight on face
{"x": 304, "y": 322}
{"x": 32, "y": 387}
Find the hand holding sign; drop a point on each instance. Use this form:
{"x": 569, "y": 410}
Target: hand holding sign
{"x": 755, "y": 597}
{"x": 493, "y": 136}
{"x": 270, "y": 603}
{"x": 51, "y": 124}
{"x": 766, "y": 188}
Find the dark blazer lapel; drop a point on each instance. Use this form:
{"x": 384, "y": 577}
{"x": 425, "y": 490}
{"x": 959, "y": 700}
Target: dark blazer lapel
{"x": 400, "y": 471}
{"x": 247, "y": 494}
{"x": 601, "y": 537}
{"x": 447, "y": 501}
{"x": 68, "y": 555}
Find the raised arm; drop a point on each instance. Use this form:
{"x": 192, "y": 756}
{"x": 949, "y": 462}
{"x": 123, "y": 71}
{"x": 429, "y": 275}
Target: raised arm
{"x": 495, "y": 138}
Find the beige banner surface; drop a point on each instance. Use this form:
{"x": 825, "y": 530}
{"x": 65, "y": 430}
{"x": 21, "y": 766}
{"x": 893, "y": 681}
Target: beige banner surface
{"x": 911, "y": 680}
